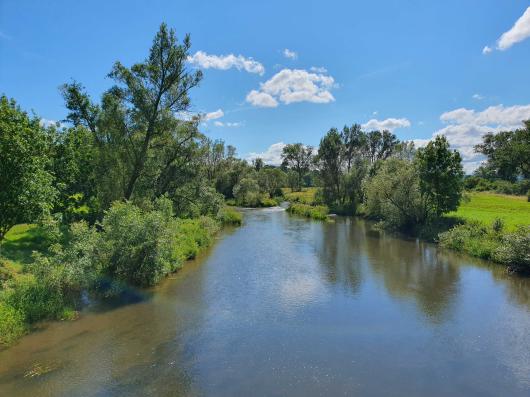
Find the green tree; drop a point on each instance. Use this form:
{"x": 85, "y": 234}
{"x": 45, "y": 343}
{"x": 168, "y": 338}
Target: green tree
{"x": 26, "y": 190}
{"x": 271, "y": 180}
{"x": 138, "y": 114}
{"x": 298, "y": 158}
{"x": 441, "y": 176}
{"x": 508, "y": 153}
{"x": 246, "y": 192}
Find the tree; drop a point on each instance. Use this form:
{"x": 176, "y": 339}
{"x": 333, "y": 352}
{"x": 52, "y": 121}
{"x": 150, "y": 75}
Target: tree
{"x": 137, "y": 115}
{"x": 26, "y": 190}
{"x": 271, "y": 180}
{"x": 380, "y": 145}
{"x": 508, "y": 153}
{"x": 246, "y": 192}
{"x": 258, "y": 164}
{"x": 393, "y": 195}
{"x": 441, "y": 176}
{"x": 298, "y": 157}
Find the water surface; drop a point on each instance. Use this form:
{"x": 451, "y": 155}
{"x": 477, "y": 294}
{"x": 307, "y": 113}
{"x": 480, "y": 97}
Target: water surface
{"x": 285, "y": 307}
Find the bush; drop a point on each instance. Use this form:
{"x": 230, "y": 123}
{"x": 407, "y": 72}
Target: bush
{"x": 267, "y": 202}
{"x": 319, "y": 212}
{"x": 515, "y": 250}
{"x": 247, "y": 193}
{"x": 229, "y": 216}
{"x": 34, "y": 299}
{"x": 192, "y": 235}
{"x": 12, "y": 324}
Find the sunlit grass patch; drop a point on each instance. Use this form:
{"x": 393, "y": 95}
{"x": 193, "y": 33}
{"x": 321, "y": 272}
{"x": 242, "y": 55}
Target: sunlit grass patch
{"x": 306, "y": 196}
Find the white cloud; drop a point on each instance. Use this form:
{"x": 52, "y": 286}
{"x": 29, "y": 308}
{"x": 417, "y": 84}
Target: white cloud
{"x": 287, "y": 53}
{"x": 388, "y": 124}
{"x": 261, "y": 99}
{"x": 214, "y": 115}
{"x": 318, "y": 69}
{"x": 466, "y": 127}
{"x": 293, "y": 85}
{"x": 478, "y": 97}
{"x": 486, "y": 50}
{"x": 519, "y": 32}
{"x": 225, "y": 62}
{"x": 272, "y": 156}
{"x": 48, "y": 123}
{"x": 227, "y": 124}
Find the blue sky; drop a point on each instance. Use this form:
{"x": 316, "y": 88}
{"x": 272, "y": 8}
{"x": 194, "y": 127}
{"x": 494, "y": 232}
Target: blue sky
{"x": 417, "y": 67}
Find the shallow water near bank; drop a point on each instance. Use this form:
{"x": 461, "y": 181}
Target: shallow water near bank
{"x": 287, "y": 306}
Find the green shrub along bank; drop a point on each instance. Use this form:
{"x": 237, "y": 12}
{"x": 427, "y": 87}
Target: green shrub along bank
{"x": 132, "y": 246}
{"x": 492, "y": 243}
{"x": 319, "y": 212}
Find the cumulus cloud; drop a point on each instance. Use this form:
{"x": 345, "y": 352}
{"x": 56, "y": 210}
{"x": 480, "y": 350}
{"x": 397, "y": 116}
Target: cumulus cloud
{"x": 318, "y": 69}
{"x": 287, "y": 53}
{"x": 214, "y": 115}
{"x": 466, "y": 127}
{"x": 272, "y": 156}
{"x": 261, "y": 99}
{"x": 48, "y": 123}
{"x": 293, "y": 85}
{"x": 519, "y": 31}
{"x": 478, "y": 97}
{"x": 388, "y": 124}
{"x": 225, "y": 62}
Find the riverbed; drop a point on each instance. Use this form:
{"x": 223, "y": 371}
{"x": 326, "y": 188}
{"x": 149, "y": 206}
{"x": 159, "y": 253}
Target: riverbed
{"x": 284, "y": 306}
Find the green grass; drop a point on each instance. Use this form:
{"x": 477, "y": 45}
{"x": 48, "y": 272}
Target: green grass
{"x": 306, "y": 196}
{"x": 485, "y": 207}
{"x": 319, "y": 212}
{"x": 17, "y": 247}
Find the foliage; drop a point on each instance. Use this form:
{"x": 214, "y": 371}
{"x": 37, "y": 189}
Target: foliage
{"x": 298, "y": 158}
{"x": 441, "y": 176}
{"x": 306, "y": 196}
{"x": 480, "y": 184}
{"x": 508, "y": 154}
{"x": 12, "y": 325}
{"x": 247, "y": 193}
{"x": 319, "y": 212}
{"x": 229, "y": 216}
{"x": 26, "y": 184}
{"x": 271, "y": 180}
{"x": 477, "y": 240}
{"x": 393, "y": 195}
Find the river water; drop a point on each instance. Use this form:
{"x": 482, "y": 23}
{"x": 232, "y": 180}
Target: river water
{"x": 283, "y": 306}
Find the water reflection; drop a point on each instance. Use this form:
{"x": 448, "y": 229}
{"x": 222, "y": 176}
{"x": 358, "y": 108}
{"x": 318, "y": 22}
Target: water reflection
{"x": 286, "y": 306}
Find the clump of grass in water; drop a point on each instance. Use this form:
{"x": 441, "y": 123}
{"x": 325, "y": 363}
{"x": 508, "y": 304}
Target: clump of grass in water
{"x": 319, "y": 212}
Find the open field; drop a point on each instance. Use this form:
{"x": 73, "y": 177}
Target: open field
{"x": 485, "y": 207}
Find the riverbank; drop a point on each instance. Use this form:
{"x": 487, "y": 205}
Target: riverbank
{"x": 44, "y": 274}
{"x": 487, "y": 225}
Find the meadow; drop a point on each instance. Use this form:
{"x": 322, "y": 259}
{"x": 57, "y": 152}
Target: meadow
{"x": 485, "y": 207}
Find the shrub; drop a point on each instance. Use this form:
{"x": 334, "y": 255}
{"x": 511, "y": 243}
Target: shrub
{"x": 497, "y": 225}
{"x": 34, "y": 299}
{"x": 267, "y": 202}
{"x": 515, "y": 250}
{"x": 138, "y": 246}
{"x": 12, "y": 324}
{"x": 229, "y": 216}
{"x": 247, "y": 193}
{"x": 319, "y": 212}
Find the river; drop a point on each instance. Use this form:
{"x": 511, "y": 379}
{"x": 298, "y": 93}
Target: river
{"x": 283, "y": 306}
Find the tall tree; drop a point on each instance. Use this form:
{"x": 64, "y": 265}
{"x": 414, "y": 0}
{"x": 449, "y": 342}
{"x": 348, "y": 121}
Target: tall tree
{"x": 26, "y": 189}
{"x": 441, "y": 176}
{"x": 139, "y": 111}
{"x": 298, "y": 157}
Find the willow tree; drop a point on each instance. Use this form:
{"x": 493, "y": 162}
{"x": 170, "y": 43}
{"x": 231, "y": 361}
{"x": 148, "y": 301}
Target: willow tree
{"x": 136, "y": 126}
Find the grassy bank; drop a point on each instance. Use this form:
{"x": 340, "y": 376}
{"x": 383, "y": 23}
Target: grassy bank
{"x": 43, "y": 278}
{"x": 485, "y": 207}
{"x": 306, "y": 196}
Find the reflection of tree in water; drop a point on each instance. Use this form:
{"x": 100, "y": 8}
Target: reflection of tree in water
{"x": 339, "y": 252}
{"x": 517, "y": 287}
{"x": 415, "y": 269}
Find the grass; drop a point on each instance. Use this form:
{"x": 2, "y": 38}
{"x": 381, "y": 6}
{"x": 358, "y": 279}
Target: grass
{"x": 229, "y": 216}
{"x": 17, "y": 247}
{"x": 306, "y": 196}
{"x": 485, "y": 207}
{"x": 319, "y": 212}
